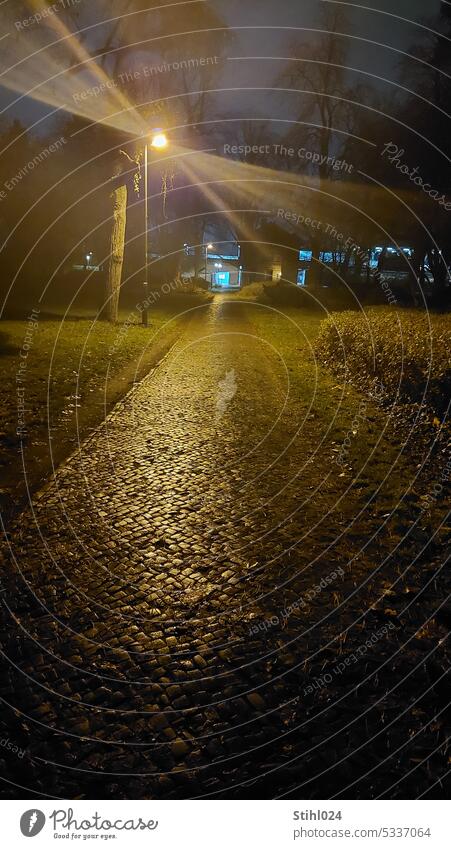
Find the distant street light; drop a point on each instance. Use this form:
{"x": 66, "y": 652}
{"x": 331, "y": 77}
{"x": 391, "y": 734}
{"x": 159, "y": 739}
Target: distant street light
{"x": 158, "y": 141}
{"x": 208, "y": 247}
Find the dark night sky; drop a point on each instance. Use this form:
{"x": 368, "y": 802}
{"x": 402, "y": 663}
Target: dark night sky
{"x": 364, "y": 23}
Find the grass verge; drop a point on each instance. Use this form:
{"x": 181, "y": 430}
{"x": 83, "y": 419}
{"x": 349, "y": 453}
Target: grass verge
{"x": 60, "y": 379}
{"x": 406, "y": 353}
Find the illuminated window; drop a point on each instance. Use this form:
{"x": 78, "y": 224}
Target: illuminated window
{"x": 301, "y": 276}
{"x": 221, "y": 278}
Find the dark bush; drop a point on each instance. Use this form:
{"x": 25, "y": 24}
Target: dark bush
{"x": 284, "y": 294}
{"x": 406, "y": 351}
{"x": 327, "y": 298}
{"x": 183, "y": 293}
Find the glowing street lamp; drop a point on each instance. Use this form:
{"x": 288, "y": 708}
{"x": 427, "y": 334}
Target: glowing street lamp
{"x": 158, "y": 141}
{"x": 208, "y": 247}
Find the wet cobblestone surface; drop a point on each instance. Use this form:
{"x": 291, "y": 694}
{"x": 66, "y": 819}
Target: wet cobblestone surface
{"x": 178, "y": 597}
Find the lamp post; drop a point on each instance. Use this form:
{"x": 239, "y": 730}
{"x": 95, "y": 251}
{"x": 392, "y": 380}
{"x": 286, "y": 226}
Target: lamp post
{"x": 158, "y": 142}
{"x": 208, "y": 247}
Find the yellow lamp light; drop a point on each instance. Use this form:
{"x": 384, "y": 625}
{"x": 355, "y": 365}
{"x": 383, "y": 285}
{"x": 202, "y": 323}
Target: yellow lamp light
{"x": 159, "y": 140}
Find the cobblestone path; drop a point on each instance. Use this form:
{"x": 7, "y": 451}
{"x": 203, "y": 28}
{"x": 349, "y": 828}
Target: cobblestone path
{"x": 179, "y": 596}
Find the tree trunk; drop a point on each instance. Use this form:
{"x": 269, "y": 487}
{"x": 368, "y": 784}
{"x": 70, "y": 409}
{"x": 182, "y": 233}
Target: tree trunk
{"x": 114, "y": 276}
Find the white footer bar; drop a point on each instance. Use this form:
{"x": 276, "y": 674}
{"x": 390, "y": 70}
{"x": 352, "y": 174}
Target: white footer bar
{"x": 225, "y": 824}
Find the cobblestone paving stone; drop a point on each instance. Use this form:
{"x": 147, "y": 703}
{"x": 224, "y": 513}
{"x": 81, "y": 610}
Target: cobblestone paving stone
{"x": 147, "y": 654}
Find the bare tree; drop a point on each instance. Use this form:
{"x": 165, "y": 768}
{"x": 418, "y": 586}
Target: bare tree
{"x": 319, "y": 74}
{"x": 326, "y": 106}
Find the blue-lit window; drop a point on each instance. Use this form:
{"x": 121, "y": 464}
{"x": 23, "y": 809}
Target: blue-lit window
{"x": 301, "y": 276}
{"x": 223, "y": 256}
{"x": 376, "y": 252}
{"x": 305, "y": 256}
{"x": 332, "y": 256}
{"x": 221, "y": 278}
{"x": 374, "y": 257}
